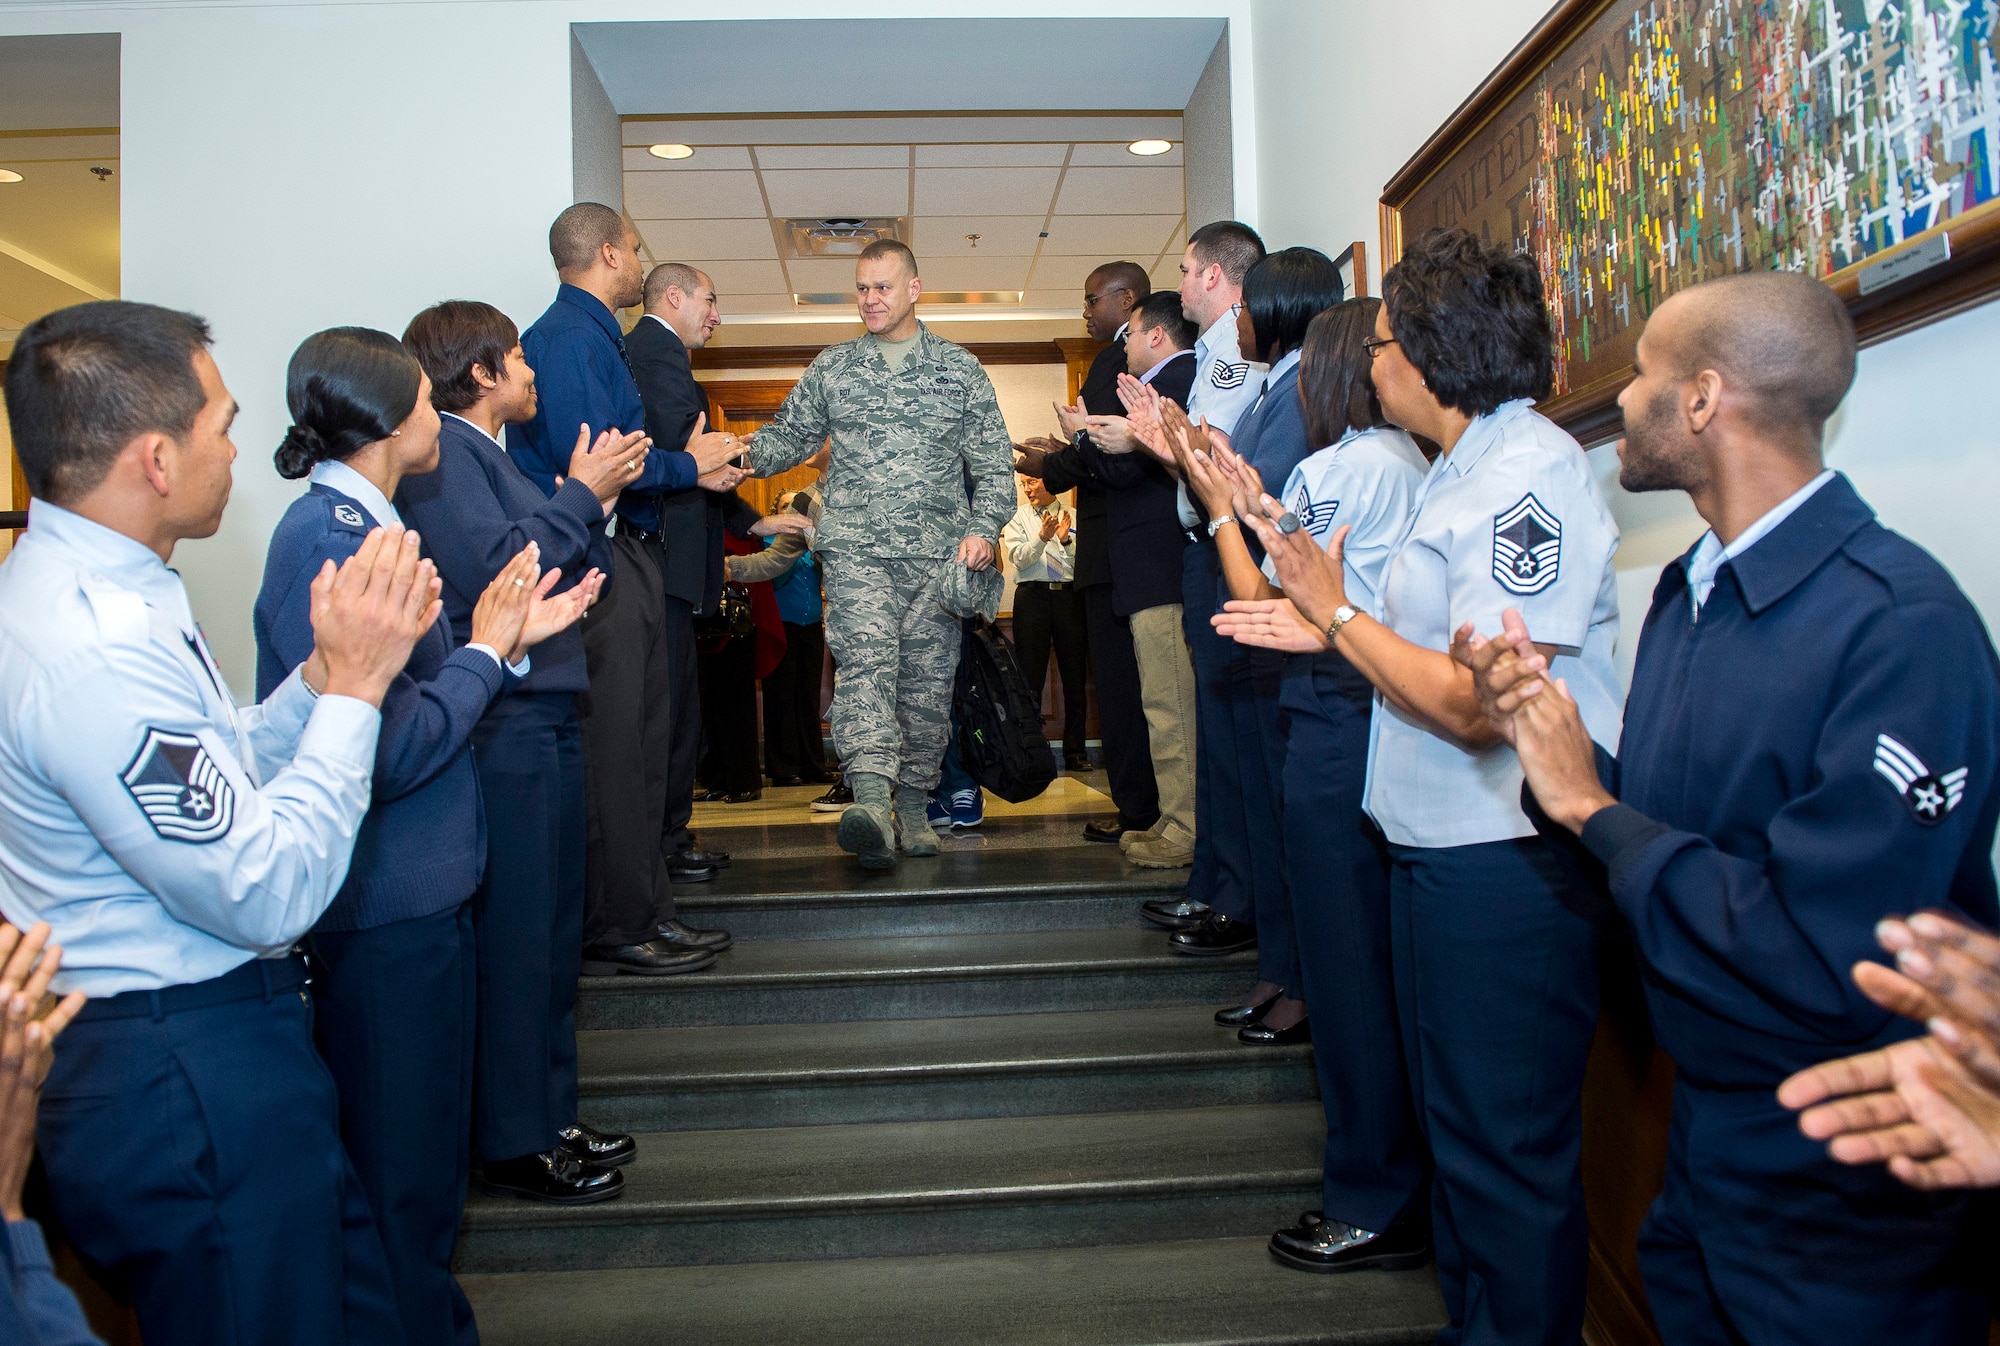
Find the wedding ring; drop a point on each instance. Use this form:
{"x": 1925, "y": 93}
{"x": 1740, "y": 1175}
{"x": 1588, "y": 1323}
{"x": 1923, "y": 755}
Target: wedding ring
{"x": 520, "y": 584}
{"x": 631, "y": 463}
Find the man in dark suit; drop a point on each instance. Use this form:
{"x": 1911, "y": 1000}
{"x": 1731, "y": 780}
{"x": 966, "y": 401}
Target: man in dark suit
{"x": 1146, "y": 543}
{"x": 1110, "y": 294}
{"x": 681, "y": 314}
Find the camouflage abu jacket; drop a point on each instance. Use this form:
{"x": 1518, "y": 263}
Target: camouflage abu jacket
{"x": 902, "y": 444}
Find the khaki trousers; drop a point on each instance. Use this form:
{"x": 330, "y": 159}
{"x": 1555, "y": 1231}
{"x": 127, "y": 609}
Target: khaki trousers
{"x": 1166, "y": 688}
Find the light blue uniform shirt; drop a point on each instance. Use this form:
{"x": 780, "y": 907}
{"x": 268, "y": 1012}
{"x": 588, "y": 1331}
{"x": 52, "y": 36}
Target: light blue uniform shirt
{"x": 1366, "y": 483}
{"x": 1225, "y": 386}
{"x": 1510, "y": 518}
{"x": 166, "y": 835}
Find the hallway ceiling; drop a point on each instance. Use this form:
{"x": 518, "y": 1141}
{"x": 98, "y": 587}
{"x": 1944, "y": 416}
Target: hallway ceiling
{"x": 1049, "y": 198}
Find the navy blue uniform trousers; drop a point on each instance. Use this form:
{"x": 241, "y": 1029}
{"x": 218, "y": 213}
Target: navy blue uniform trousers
{"x": 1496, "y": 991}
{"x": 1221, "y": 873}
{"x": 528, "y": 920}
{"x": 195, "y": 1153}
{"x": 1257, "y": 678}
{"x": 1376, "y": 1166}
{"x": 393, "y": 1008}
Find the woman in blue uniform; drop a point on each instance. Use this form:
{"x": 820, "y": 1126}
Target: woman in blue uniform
{"x": 393, "y": 989}
{"x": 1364, "y": 481}
{"x": 1281, "y": 296}
{"x": 1495, "y": 973}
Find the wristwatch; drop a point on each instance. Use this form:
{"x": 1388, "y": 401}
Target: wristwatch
{"x": 1342, "y": 615}
{"x": 1215, "y": 524}
{"x": 1076, "y": 440}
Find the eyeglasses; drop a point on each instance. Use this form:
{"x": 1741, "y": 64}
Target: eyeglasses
{"x": 1091, "y": 301}
{"x": 1374, "y": 345}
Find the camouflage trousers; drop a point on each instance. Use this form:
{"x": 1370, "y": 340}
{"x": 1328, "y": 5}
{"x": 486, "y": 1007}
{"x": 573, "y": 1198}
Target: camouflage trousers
{"x": 895, "y": 653}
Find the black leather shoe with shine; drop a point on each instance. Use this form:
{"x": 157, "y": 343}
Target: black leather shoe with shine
{"x": 1320, "y": 1244}
{"x": 606, "y": 1149}
{"x": 695, "y": 855}
{"x": 742, "y": 796}
{"x": 1105, "y": 832}
{"x": 1175, "y": 913}
{"x": 684, "y": 936}
{"x": 655, "y": 958}
{"x": 557, "y": 1177}
{"x": 1216, "y": 935}
{"x": 1243, "y": 1016}
{"x": 680, "y": 873}
{"x": 1263, "y": 1035}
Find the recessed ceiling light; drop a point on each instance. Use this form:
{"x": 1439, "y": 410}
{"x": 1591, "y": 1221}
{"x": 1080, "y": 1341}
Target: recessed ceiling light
{"x": 9, "y": 175}
{"x": 1149, "y": 148}
{"x": 671, "y": 151}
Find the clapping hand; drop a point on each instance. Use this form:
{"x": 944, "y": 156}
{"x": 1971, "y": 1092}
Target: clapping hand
{"x": 1071, "y": 419}
{"x": 503, "y": 609}
{"x": 1270, "y": 624}
{"x": 1051, "y": 522}
{"x": 1506, "y": 670}
{"x": 712, "y": 448}
{"x": 547, "y": 615}
{"x": 368, "y": 614}
{"x": 30, "y": 1021}
{"x": 610, "y": 465}
{"x": 1315, "y": 580}
{"x": 1146, "y": 412}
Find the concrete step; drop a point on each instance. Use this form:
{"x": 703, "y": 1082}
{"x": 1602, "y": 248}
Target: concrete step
{"x": 1196, "y": 1293}
{"x": 765, "y": 1075}
{"x": 918, "y": 977}
{"x": 906, "y": 1188}
{"x": 960, "y": 892}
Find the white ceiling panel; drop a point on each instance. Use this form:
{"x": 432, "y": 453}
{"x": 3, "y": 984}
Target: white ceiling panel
{"x": 639, "y": 160}
{"x": 1053, "y": 299}
{"x": 1117, "y": 156}
{"x": 984, "y": 191}
{"x": 1108, "y": 128}
{"x": 1122, "y": 191}
{"x": 692, "y": 196}
{"x": 1064, "y": 273}
{"x": 699, "y": 241}
{"x": 1137, "y": 238}
{"x": 733, "y": 278}
{"x": 833, "y": 156}
{"x": 975, "y": 273}
{"x": 991, "y": 156}
{"x": 822, "y": 275}
{"x": 754, "y": 303}
{"x": 999, "y": 235}
{"x": 815, "y": 193}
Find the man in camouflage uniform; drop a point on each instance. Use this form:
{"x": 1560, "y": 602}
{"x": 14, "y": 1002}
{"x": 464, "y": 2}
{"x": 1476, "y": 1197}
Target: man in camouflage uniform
{"x": 912, "y": 419}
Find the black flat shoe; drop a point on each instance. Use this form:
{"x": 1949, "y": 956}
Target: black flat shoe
{"x": 655, "y": 958}
{"x": 1105, "y": 832}
{"x": 1323, "y": 1245}
{"x": 1261, "y": 1035}
{"x": 1216, "y": 935}
{"x": 606, "y": 1149}
{"x": 680, "y": 935}
{"x": 557, "y": 1177}
{"x": 1245, "y": 1016}
{"x": 1175, "y": 913}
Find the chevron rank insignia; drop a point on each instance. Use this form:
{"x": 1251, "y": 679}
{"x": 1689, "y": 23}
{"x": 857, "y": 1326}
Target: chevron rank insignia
{"x": 181, "y": 790}
{"x": 1527, "y": 547}
{"x": 348, "y": 515}
{"x": 1929, "y": 796}
{"x": 1227, "y": 375}
{"x": 1314, "y": 514}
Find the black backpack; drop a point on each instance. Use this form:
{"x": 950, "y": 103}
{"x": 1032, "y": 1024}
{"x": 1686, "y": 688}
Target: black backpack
{"x": 1000, "y": 741}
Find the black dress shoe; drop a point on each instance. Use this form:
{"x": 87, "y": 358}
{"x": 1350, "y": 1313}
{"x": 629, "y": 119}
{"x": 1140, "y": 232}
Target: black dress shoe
{"x": 1244, "y": 1016}
{"x": 681, "y": 873}
{"x": 1175, "y": 913}
{"x": 710, "y": 796}
{"x": 1216, "y": 934}
{"x": 680, "y": 935}
{"x": 655, "y": 958}
{"x": 742, "y": 796}
{"x": 558, "y": 1177}
{"x": 1319, "y": 1244}
{"x": 606, "y": 1149}
{"x": 1105, "y": 832}
{"x": 695, "y": 857}
{"x": 1263, "y": 1035}
{"x": 787, "y": 782}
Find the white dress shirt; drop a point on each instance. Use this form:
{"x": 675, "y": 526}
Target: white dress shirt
{"x": 1033, "y": 560}
{"x": 1709, "y": 553}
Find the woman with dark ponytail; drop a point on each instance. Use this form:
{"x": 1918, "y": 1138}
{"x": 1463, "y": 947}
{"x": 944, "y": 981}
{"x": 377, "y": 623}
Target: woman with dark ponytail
{"x": 393, "y": 985}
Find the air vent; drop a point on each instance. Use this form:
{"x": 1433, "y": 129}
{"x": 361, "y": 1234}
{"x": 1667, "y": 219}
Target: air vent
{"x": 840, "y": 236}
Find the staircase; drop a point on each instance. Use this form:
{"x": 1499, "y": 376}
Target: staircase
{"x": 975, "y": 1099}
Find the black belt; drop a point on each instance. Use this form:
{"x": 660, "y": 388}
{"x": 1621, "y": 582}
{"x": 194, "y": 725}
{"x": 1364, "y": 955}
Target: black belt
{"x": 638, "y": 534}
{"x": 1053, "y": 586}
{"x": 258, "y": 979}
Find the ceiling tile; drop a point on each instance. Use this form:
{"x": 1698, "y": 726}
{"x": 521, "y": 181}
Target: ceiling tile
{"x": 985, "y": 191}
{"x": 1117, "y": 156}
{"x": 1121, "y": 191}
{"x": 822, "y": 275}
{"x": 699, "y": 241}
{"x": 832, "y": 156}
{"x": 754, "y": 303}
{"x": 818, "y": 193}
{"x": 999, "y": 235}
{"x": 705, "y": 158}
{"x": 975, "y": 273}
{"x": 733, "y": 278}
{"x": 1063, "y": 273}
{"x": 990, "y": 156}
{"x": 691, "y": 196}
{"x": 1110, "y": 237}
{"x": 1063, "y": 299}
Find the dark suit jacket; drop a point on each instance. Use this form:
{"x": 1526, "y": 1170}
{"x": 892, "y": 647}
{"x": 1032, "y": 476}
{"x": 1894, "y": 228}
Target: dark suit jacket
{"x": 1145, "y": 527}
{"x": 1067, "y": 469}
{"x": 691, "y": 520}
